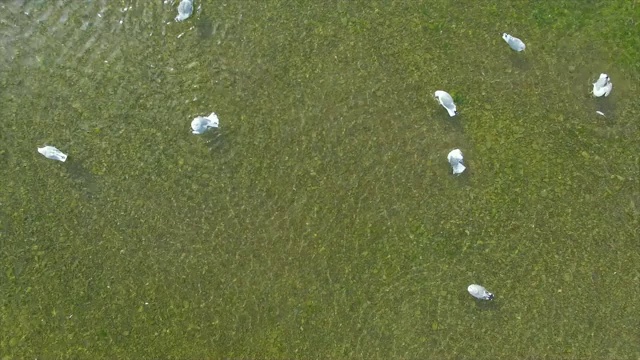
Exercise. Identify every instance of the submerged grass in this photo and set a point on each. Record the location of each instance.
(321, 220)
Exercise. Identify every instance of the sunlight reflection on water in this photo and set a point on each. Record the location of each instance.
(83, 33)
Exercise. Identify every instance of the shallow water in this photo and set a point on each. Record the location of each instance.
(321, 220)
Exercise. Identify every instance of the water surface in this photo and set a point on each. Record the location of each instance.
(321, 219)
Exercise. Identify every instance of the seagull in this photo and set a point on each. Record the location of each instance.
(185, 8)
(602, 86)
(201, 124)
(479, 292)
(446, 101)
(52, 153)
(514, 43)
(455, 159)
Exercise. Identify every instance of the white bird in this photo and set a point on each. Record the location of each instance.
(455, 159)
(185, 9)
(479, 292)
(602, 86)
(52, 153)
(201, 124)
(514, 43)
(446, 101)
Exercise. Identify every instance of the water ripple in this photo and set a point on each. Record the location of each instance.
(71, 32)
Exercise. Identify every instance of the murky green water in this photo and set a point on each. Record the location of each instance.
(321, 220)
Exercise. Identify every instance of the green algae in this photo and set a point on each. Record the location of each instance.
(321, 220)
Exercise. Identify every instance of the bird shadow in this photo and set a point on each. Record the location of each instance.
(607, 106)
(487, 305)
(217, 140)
(83, 178)
(456, 122)
(205, 28)
(453, 122)
(520, 62)
(463, 179)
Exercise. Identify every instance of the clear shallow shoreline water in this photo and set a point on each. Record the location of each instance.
(321, 220)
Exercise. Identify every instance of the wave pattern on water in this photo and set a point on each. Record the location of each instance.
(81, 33)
